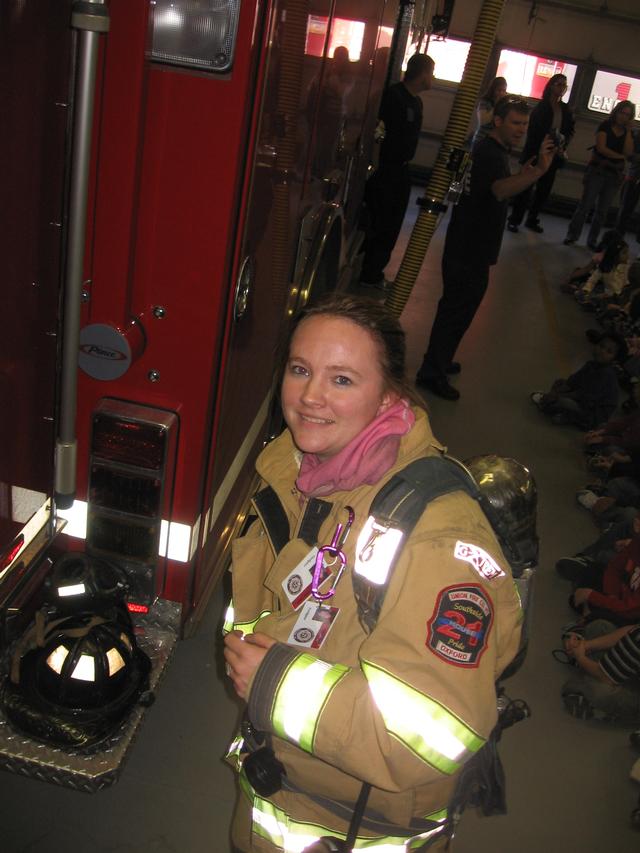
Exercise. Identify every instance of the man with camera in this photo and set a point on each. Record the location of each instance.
(474, 237)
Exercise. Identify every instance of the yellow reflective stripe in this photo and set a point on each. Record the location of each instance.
(228, 618)
(438, 816)
(425, 726)
(234, 752)
(230, 624)
(292, 836)
(301, 696)
(248, 627)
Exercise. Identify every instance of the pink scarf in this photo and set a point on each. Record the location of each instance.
(364, 460)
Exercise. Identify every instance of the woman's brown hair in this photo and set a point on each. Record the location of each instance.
(374, 318)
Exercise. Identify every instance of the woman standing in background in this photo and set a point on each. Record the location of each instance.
(614, 143)
(551, 116)
(484, 110)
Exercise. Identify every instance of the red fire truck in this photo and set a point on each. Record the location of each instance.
(179, 178)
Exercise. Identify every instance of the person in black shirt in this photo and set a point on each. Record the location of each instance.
(474, 237)
(387, 191)
(614, 143)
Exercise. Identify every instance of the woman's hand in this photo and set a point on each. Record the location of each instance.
(244, 654)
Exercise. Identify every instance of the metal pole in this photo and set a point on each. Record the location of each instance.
(90, 18)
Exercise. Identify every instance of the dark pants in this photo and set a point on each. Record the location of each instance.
(603, 549)
(386, 198)
(464, 283)
(534, 197)
(629, 196)
(600, 186)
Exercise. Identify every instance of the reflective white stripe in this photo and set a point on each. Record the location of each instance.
(402, 711)
(177, 541)
(375, 551)
(293, 836)
(31, 529)
(300, 691)
(280, 834)
(73, 589)
(291, 842)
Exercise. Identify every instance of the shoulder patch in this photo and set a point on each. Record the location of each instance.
(483, 563)
(458, 630)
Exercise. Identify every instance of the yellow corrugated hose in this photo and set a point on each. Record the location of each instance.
(291, 58)
(454, 137)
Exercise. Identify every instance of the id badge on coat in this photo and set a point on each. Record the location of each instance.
(297, 584)
(312, 625)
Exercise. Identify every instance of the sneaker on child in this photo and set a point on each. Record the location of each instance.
(573, 568)
(587, 498)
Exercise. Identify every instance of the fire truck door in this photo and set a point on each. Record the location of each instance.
(267, 247)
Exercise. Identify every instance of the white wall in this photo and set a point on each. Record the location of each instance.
(576, 31)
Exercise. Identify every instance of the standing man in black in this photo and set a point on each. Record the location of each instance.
(388, 189)
(474, 237)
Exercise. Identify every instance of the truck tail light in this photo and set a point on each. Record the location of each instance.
(131, 473)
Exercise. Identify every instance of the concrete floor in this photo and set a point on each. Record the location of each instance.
(568, 781)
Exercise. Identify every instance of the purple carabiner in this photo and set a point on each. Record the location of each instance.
(320, 571)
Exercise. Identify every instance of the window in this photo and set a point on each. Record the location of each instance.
(611, 87)
(195, 33)
(449, 55)
(344, 33)
(527, 75)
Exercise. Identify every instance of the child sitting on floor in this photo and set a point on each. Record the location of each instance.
(579, 275)
(609, 278)
(618, 434)
(616, 594)
(608, 679)
(589, 396)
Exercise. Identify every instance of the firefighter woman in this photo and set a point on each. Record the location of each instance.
(353, 705)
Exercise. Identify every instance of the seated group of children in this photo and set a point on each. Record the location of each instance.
(610, 286)
(604, 641)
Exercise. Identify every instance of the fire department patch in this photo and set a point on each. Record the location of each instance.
(482, 562)
(459, 629)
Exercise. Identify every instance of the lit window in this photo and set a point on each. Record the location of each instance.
(195, 33)
(527, 75)
(385, 36)
(449, 55)
(344, 33)
(609, 88)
